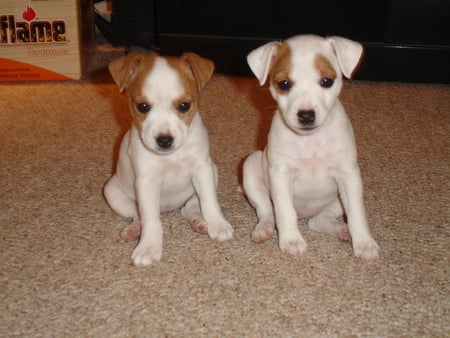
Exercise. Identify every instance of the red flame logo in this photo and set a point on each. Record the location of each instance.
(29, 13)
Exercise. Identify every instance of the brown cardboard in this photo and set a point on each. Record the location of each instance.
(44, 40)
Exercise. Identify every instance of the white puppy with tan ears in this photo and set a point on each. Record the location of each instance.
(309, 167)
(164, 160)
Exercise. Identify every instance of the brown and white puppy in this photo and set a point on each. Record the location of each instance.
(309, 167)
(164, 160)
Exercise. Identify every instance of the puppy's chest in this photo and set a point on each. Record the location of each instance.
(312, 177)
(177, 169)
(313, 166)
(317, 154)
(177, 173)
(173, 175)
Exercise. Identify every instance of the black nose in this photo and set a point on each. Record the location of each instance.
(306, 117)
(164, 141)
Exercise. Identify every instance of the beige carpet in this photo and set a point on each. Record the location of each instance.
(64, 272)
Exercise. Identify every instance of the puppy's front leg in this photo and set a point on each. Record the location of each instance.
(205, 182)
(149, 248)
(351, 192)
(289, 238)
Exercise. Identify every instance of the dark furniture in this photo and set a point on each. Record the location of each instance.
(405, 40)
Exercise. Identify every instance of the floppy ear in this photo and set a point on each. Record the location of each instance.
(123, 69)
(201, 68)
(348, 53)
(260, 60)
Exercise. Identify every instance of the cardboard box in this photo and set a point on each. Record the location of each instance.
(44, 39)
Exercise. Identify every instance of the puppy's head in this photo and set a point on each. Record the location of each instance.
(305, 74)
(163, 95)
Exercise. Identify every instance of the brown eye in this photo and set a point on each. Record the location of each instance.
(183, 107)
(284, 85)
(326, 82)
(143, 107)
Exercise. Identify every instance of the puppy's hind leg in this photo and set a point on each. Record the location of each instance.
(118, 199)
(327, 222)
(259, 197)
(192, 212)
(125, 206)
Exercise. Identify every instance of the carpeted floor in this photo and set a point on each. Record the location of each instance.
(64, 272)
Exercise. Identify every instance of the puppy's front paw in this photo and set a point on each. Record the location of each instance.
(145, 254)
(220, 231)
(366, 249)
(293, 247)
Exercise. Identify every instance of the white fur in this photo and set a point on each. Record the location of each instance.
(308, 172)
(161, 87)
(150, 180)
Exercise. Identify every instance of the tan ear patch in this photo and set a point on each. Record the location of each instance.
(123, 69)
(201, 68)
(127, 68)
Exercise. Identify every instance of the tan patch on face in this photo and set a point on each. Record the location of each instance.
(324, 67)
(188, 82)
(134, 89)
(281, 67)
(189, 85)
(137, 116)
